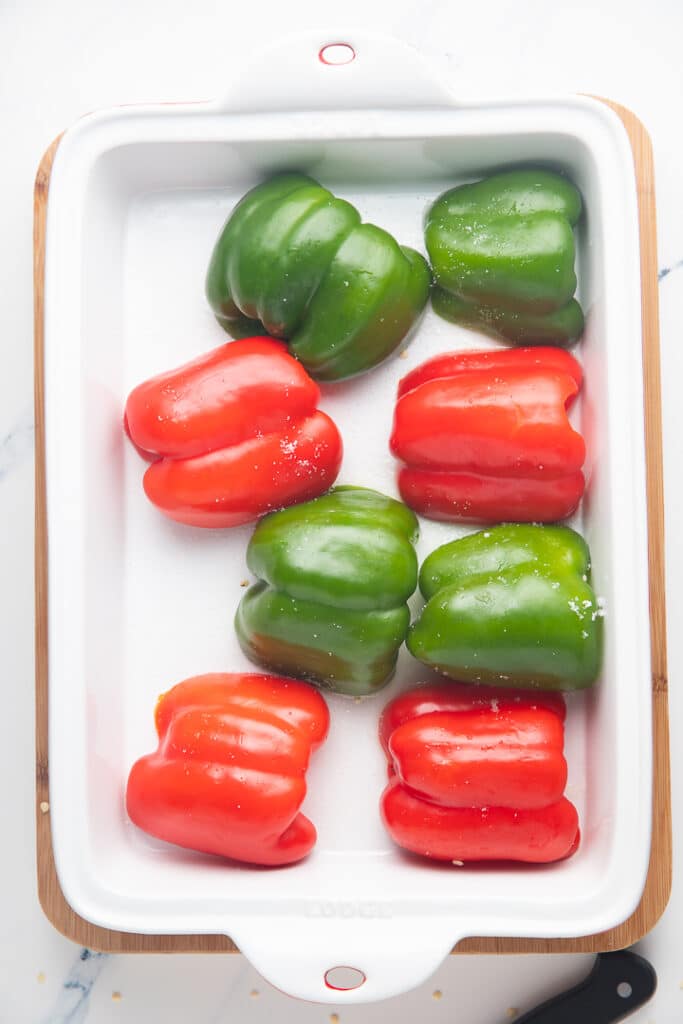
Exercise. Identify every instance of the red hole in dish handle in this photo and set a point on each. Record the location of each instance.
(344, 979)
(337, 53)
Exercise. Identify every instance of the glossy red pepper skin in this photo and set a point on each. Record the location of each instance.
(486, 437)
(233, 435)
(449, 697)
(228, 777)
(471, 834)
(477, 775)
(483, 758)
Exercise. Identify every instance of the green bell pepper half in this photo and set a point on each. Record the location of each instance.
(334, 578)
(294, 261)
(502, 255)
(513, 606)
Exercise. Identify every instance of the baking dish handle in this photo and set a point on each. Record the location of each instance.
(321, 70)
(345, 955)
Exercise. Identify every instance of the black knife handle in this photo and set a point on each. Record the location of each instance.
(618, 984)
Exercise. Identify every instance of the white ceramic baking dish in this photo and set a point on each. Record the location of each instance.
(137, 603)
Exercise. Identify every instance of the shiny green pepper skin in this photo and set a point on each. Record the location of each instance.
(513, 606)
(334, 578)
(295, 261)
(502, 254)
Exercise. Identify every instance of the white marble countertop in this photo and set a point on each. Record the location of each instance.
(62, 59)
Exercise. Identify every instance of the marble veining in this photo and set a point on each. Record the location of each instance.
(71, 1006)
(665, 271)
(17, 444)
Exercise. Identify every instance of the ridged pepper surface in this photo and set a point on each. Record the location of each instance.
(296, 261)
(334, 578)
(476, 777)
(512, 605)
(486, 436)
(229, 774)
(502, 254)
(232, 435)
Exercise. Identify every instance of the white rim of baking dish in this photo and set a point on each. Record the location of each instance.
(384, 92)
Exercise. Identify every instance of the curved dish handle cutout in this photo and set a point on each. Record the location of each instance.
(326, 71)
(336, 959)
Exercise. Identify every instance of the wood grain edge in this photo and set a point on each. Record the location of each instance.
(658, 884)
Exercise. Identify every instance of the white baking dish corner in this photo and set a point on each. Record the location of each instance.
(137, 196)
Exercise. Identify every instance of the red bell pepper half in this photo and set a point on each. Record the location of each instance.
(477, 776)
(486, 437)
(233, 435)
(228, 777)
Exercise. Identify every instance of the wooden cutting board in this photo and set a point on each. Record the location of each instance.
(658, 885)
